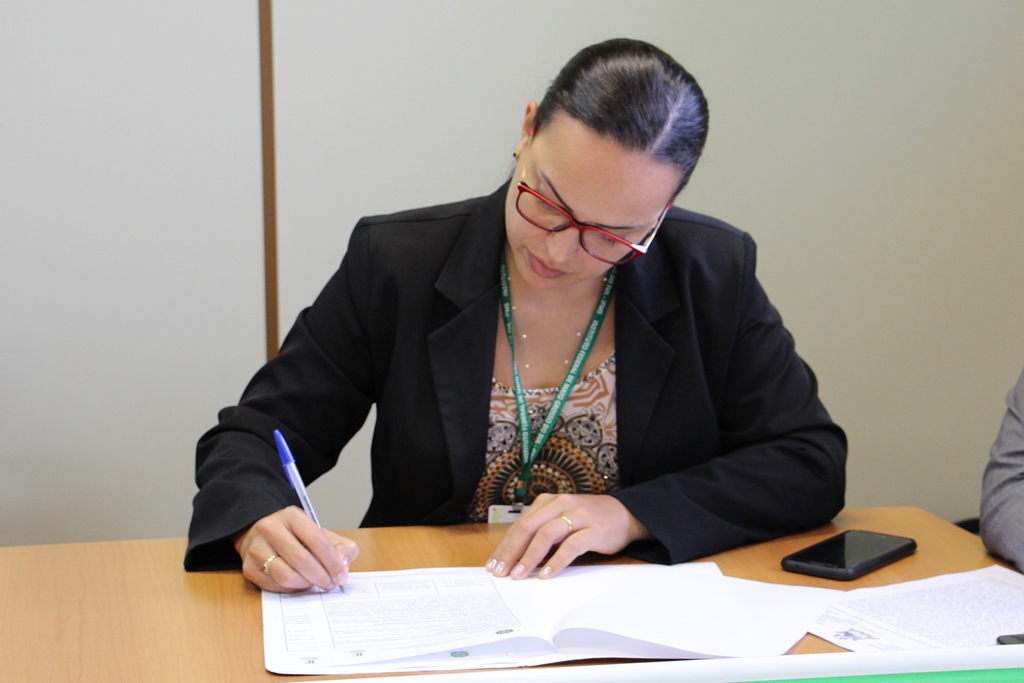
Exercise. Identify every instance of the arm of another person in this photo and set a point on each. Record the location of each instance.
(1002, 496)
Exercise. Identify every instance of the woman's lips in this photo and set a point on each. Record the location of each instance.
(541, 269)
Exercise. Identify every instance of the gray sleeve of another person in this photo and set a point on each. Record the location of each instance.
(1002, 495)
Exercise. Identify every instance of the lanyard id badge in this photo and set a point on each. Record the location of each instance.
(528, 447)
(502, 514)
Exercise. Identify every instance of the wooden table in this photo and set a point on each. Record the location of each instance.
(127, 611)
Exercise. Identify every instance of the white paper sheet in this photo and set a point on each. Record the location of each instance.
(969, 609)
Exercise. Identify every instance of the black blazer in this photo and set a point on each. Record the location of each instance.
(722, 439)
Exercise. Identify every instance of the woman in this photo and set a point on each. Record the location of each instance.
(682, 422)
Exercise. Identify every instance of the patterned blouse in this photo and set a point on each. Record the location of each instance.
(580, 455)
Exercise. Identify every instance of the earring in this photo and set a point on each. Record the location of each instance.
(515, 155)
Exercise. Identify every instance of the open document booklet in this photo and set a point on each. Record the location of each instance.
(463, 618)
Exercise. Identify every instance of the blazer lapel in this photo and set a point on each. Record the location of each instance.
(642, 356)
(462, 350)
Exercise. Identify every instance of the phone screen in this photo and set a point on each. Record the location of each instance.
(849, 555)
(852, 548)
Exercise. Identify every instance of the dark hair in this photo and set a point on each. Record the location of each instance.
(636, 94)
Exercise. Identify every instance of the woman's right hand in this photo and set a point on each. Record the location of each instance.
(304, 555)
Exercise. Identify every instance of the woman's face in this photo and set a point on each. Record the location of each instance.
(596, 181)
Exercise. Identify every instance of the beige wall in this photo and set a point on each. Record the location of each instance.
(873, 149)
(130, 256)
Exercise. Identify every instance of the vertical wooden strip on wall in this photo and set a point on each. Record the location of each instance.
(269, 178)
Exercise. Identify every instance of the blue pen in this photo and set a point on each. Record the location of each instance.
(295, 479)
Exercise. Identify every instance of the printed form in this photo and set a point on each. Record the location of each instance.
(968, 609)
(459, 618)
(385, 615)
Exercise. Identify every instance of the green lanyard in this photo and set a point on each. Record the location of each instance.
(528, 451)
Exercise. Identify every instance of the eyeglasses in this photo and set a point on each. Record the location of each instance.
(603, 245)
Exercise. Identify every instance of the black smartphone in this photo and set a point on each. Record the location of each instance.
(849, 555)
(1015, 639)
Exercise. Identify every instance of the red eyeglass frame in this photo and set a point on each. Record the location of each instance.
(636, 249)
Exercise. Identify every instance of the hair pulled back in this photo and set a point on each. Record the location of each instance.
(636, 94)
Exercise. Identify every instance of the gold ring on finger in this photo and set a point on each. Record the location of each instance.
(567, 521)
(266, 565)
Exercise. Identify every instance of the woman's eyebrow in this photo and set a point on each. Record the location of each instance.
(547, 181)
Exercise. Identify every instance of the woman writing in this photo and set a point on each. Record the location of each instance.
(572, 343)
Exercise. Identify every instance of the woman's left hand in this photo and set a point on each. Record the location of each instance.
(574, 523)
